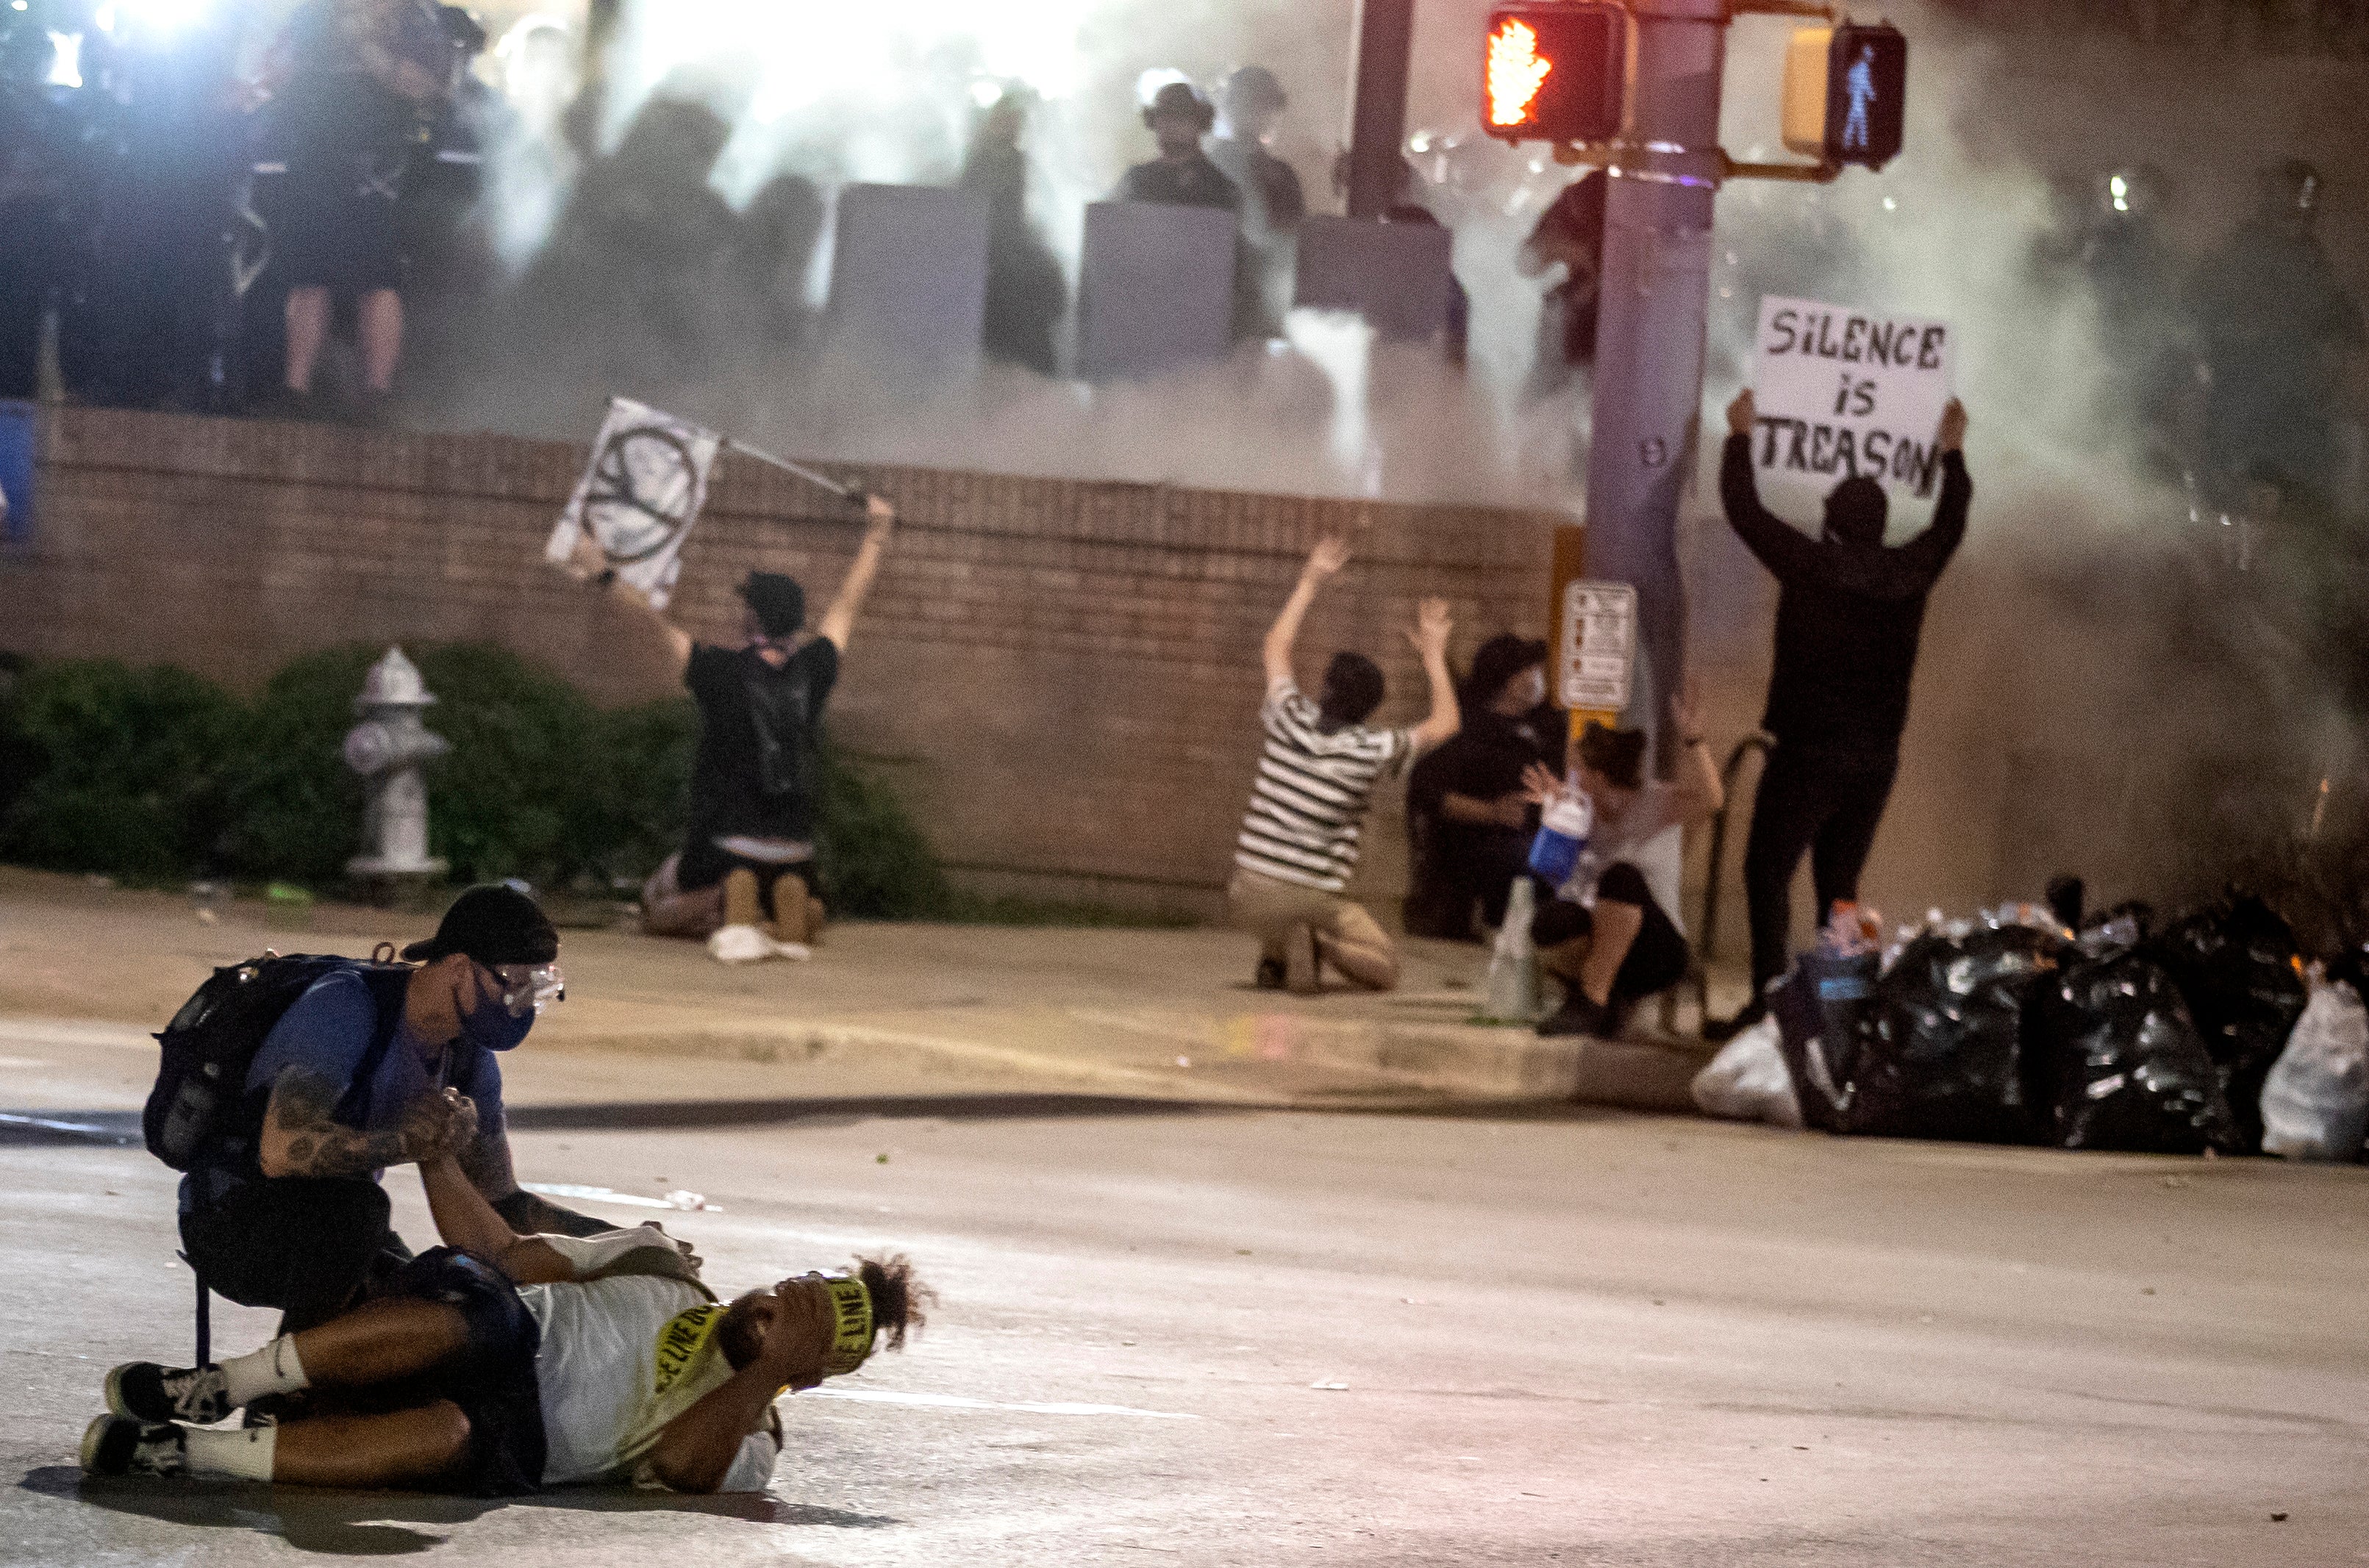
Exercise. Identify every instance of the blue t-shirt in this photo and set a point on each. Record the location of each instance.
(330, 1030)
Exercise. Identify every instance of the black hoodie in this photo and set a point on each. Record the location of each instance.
(1849, 611)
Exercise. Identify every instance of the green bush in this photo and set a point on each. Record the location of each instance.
(122, 771)
(156, 775)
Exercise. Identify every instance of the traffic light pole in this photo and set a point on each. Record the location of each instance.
(1650, 331)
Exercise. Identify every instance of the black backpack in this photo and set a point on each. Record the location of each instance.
(211, 1041)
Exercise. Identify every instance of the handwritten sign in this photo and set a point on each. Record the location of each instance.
(1842, 392)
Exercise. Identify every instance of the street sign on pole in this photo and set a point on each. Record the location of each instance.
(1596, 648)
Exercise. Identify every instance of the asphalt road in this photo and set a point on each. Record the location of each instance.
(1232, 1337)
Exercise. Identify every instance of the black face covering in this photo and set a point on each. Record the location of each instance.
(1857, 511)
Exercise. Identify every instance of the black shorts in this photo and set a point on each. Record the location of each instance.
(1656, 960)
(330, 231)
(492, 1379)
(311, 1248)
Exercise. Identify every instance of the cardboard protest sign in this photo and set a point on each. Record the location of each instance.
(639, 495)
(1842, 392)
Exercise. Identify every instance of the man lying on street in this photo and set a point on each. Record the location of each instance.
(1605, 935)
(499, 1364)
(283, 1208)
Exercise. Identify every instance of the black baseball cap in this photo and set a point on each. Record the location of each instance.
(494, 924)
(779, 602)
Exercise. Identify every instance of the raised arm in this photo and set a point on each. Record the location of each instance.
(696, 1450)
(1329, 556)
(1783, 549)
(1700, 793)
(465, 1220)
(1923, 559)
(838, 621)
(1430, 636)
(589, 564)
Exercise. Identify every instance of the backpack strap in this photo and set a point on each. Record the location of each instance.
(388, 985)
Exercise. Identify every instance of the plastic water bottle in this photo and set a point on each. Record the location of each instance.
(1513, 995)
(1562, 834)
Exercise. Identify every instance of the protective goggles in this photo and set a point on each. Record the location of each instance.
(527, 988)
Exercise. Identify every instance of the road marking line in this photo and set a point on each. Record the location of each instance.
(957, 1402)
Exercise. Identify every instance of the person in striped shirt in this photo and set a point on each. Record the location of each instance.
(1300, 839)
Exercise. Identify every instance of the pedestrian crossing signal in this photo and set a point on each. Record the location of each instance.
(1555, 71)
(1845, 92)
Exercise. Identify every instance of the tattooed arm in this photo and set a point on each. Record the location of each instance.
(485, 1161)
(300, 1140)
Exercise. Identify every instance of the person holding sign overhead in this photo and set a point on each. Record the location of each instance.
(1851, 611)
(749, 852)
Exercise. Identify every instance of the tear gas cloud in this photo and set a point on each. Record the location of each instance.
(2050, 643)
(831, 96)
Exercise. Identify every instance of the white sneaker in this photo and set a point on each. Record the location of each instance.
(751, 944)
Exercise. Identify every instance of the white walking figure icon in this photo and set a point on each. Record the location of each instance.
(1860, 83)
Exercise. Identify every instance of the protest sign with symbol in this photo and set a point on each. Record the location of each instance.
(639, 495)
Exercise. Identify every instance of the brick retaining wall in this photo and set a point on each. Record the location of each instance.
(1060, 676)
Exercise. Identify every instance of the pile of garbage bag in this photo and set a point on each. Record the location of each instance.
(2209, 1034)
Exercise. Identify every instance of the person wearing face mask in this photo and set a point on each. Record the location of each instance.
(1468, 821)
(282, 1208)
(1606, 933)
(499, 1365)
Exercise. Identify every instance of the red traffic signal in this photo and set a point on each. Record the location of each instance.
(1867, 82)
(1554, 70)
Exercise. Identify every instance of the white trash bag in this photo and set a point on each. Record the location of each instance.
(2316, 1101)
(1747, 1080)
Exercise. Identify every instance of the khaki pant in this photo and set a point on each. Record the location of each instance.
(1346, 936)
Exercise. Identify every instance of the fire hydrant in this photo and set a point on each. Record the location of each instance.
(388, 749)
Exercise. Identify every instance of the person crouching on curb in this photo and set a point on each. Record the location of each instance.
(1604, 935)
(503, 1364)
(1300, 839)
(749, 856)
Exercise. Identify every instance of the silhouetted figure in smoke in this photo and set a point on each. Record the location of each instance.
(140, 326)
(1181, 176)
(772, 251)
(451, 268)
(2134, 274)
(638, 270)
(1407, 208)
(1025, 294)
(1252, 103)
(355, 83)
(39, 174)
(2276, 328)
(1850, 613)
(1568, 234)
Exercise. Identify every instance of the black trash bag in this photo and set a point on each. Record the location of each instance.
(1942, 1049)
(1821, 1010)
(2236, 964)
(2127, 1068)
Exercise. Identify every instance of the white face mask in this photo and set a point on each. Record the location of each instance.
(1530, 689)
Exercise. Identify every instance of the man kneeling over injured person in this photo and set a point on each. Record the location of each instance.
(506, 1363)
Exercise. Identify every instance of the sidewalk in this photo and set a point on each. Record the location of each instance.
(1152, 1014)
